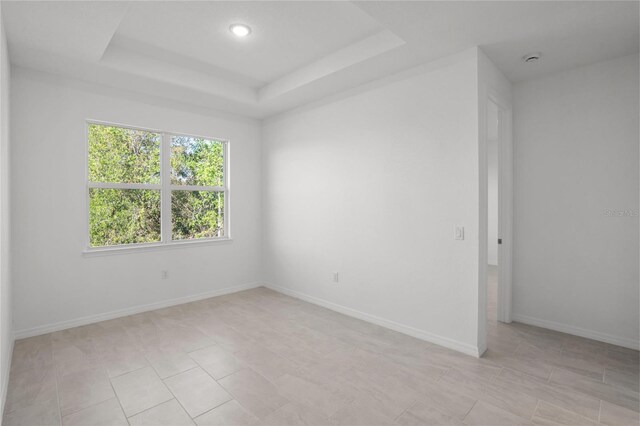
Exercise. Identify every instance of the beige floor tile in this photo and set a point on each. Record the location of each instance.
(561, 358)
(116, 364)
(614, 415)
(229, 413)
(526, 364)
(114, 339)
(42, 414)
(306, 392)
(391, 394)
(78, 365)
(168, 413)
(444, 359)
(253, 392)
(224, 335)
(517, 403)
(196, 391)
(265, 362)
(337, 363)
(581, 344)
(322, 363)
(502, 345)
(32, 345)
(421, 414)
(146, 336)
(363, 411)
(81, 332)
(331, 378)
(603, 353)
(296, 415)
(623, 358)
(140, 390)
(548, 414)
(82, 389)
(294, 351)
(622, 379)
(616, 357)
(216, 361)
(186, 339)
(107, 413)
(423, 363)
(31, 386)
(560, 396)
(447, 398)
(33, 352)
(356, 338)
(73, 350)
(485, 414)
(596, 389)
(320, 342)
(169, 362)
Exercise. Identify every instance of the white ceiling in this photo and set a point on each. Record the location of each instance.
(286, 35)
(300, 52)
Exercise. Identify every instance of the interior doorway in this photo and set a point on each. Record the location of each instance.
(499, 199)
(493, 133)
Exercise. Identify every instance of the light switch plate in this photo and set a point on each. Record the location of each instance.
(459, 234)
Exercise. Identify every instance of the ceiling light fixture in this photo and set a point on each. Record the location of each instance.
(531, 57)
(240, 30)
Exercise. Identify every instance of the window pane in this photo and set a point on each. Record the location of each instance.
(119, 155)
(123, 216)
(196, 161)
(197, 214)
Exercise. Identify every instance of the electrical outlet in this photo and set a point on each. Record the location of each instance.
(336, 277)
(164, 275)
(459, 233)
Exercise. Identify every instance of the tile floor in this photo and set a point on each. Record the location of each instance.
(262, 358)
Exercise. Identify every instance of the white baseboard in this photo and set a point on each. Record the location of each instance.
(577, 331)
(63, 325)
(392, 325)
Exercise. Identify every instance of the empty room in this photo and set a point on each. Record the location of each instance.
(319, 213)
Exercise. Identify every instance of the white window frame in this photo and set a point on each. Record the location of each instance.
(165, 187)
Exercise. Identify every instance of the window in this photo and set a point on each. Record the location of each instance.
(154, 188)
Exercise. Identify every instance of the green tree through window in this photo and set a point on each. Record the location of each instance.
(127, 183)
(197, 162)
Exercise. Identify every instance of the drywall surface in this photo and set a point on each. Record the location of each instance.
(372, 186)
(576, 201)
(6, 308)
(54, 282)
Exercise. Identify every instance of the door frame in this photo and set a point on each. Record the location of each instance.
(505, 205)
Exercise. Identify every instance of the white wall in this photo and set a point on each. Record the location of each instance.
(576, 155)
(6, 315)
(372, 185)
(54, 283)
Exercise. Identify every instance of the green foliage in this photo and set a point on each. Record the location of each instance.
(127, 216)
(196, 161)
(197, 214)
(119, 155)
(123, 216)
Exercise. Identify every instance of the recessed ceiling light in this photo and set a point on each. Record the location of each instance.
(240, 30)
(531, 57)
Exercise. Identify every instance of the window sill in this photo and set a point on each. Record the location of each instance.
(141, 248)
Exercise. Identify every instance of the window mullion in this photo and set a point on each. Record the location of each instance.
(165, 170)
